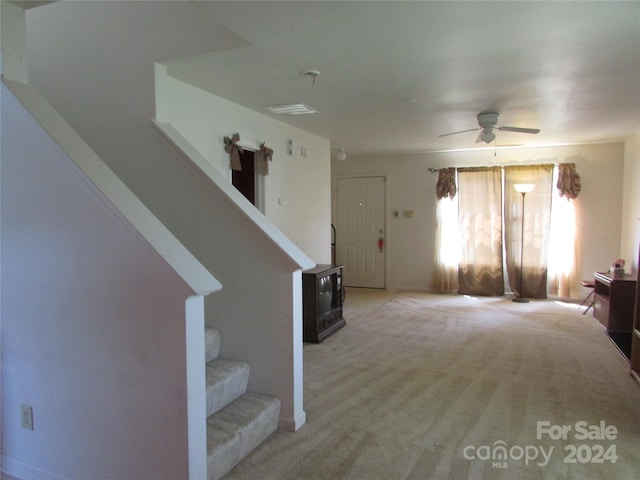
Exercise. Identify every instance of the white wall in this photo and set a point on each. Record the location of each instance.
(631, 203)
(297, 188)
(411, 242)
(93, 325)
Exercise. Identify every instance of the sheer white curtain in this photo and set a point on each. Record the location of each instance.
(447, 252)
(564, 244)
(480, 228)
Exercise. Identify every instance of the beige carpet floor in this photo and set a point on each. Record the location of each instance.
(424, 386)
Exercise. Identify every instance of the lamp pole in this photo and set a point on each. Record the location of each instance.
(523, 188)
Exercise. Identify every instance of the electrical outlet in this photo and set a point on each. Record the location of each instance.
(26, 415)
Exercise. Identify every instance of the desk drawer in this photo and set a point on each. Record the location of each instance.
(601, 310)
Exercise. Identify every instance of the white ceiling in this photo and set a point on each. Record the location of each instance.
(395, 75)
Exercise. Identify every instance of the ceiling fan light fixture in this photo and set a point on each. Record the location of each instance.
(487, 135)
(488, 122)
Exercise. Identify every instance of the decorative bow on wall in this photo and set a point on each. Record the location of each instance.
(264, 156)
(234, 150)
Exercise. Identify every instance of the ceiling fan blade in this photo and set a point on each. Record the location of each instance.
(461, 131)
(519, 129)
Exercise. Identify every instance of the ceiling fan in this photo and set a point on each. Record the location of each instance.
(488, 122)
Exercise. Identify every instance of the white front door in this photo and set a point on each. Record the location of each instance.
(360, 211)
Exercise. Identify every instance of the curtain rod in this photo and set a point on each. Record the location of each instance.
(436, 170)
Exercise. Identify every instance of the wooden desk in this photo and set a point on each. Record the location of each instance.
(635, 346)
(614, 301)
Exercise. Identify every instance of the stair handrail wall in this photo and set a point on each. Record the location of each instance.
(274, 313)
(123, 208)
(262, 223)
(259, 314)
(163, 241)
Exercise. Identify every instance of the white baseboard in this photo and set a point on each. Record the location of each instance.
(289, 424)
(15, 470)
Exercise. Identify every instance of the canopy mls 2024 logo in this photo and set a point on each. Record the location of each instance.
(581, 448)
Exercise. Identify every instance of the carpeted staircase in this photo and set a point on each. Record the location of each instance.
(237, 421)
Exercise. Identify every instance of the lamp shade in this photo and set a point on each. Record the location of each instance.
(523, 187)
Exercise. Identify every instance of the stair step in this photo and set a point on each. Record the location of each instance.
(226, 381)
(236, 430)
(212, 344)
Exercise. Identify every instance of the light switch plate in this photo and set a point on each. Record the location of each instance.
(26, 416)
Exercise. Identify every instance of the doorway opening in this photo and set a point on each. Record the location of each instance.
(248, 181)
(245, 180)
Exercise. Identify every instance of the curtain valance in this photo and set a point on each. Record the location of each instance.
(446, 186)
(568, 181)
(263, 157)
(568, 184)
(234, 150)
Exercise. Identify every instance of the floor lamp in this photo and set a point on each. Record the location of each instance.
(522, 188)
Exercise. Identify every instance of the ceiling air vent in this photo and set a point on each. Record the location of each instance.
(292, 109)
